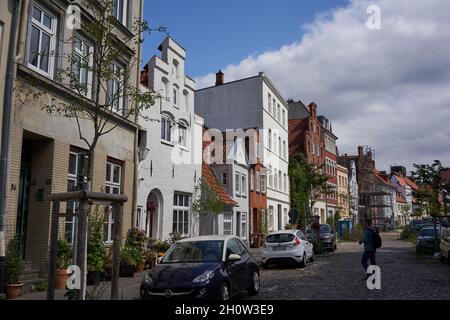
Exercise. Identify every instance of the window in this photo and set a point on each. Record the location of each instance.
(274, 106)
(120, 11)
(269, 99)
(243, 185)
(279, 146)
(285, 183)
(270, 177)
(166, 128)
(175, 96)
(138, 218)
(285, 215)
(279, 176)
(258, 181)
(284, 149)
(244, 225)
(278, 113)
(82, 67)
(181, 205)
(270, 139)
(275, 179)
(263, 184)
(227, 223)
(182, 135)
(75, 168)
(252, 182)
(113, 186)
(42, 41)
(270, 218)
(175, 69)
(186, 101)
(284, 118)
(116, 88)
(224, 178)
(237, 183)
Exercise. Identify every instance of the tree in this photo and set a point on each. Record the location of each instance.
(431, 187)
(308, 183)
(110, 97)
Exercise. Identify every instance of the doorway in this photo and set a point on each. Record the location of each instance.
(24, 195)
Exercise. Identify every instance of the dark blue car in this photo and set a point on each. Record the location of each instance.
(208, 267)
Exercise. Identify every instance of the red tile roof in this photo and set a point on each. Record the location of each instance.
(405, 181)
(211, 180)
(382, 177)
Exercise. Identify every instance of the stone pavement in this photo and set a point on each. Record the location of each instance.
(337, 276)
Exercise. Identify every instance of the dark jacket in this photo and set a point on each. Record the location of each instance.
(368, 239)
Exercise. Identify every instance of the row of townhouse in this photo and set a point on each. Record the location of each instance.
(45, 152)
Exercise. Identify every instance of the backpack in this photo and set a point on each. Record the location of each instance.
(376, 239)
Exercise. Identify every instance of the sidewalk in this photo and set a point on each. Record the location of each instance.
(128, 290)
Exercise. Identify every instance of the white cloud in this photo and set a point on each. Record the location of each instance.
(387, 88)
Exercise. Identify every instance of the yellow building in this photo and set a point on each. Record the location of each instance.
(343, 191)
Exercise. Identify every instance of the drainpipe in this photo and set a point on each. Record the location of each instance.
(6, 126)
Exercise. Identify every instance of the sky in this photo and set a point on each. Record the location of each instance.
(388, 88)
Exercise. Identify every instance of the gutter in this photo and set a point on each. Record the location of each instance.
(6, 132)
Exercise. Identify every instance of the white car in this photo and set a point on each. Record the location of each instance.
(289, 245)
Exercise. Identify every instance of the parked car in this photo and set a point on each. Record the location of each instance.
(426, 239)
(327, 237)
(287, 246)
(207, 267)
(445, 245)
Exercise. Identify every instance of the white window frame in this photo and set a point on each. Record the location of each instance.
(280, 183)
(118, 101)
(269, 97)
(284, 150)
(263, 184)
(284, 117)
(243, 185)
(284, 182)
(228, 221)
(167, 137)
(278, 113)
(113, 186)
(237, 183)
(49, 32)
(79, 53)
(279, 146)
(122, 18)
(252, 178)
(181, 211)
(258, 181)
(183, 135)
(244, 225)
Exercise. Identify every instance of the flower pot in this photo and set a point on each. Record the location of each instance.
(13, 290)
(140, 267)
(93, 278)
(61, 278)
(126, 271)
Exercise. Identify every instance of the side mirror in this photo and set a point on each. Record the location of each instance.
(159, 260)
(233, 257)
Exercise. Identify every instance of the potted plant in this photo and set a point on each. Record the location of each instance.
(129, 259)
(96, 250)
(14, 266)
(63, 260)
(136, 239)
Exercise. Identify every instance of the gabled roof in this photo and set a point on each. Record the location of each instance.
(405, 181)
(384, 178)
(211, 180)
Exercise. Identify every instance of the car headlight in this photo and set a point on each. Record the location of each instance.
(204, 277)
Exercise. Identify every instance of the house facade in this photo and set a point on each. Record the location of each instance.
(254, 103)
(332, 201)
(171, 166)
(386, 213)
(305, 137)
(46, 151)
(404, 186)
(343, 192)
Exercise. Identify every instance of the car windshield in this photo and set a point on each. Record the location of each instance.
(195, 251)
(428, 232)
(324, 228)
(280, 237)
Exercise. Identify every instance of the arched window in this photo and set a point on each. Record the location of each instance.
(175, 69)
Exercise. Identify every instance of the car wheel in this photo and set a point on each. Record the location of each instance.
(225, 292)
(255, 284)
(302, 263)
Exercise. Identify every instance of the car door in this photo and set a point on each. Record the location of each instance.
(246, 274)
(235, 269)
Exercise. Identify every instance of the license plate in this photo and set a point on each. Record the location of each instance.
(279, 248)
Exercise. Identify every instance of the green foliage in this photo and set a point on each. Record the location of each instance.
(206, 200)
(408, 234)
(96, 249)
(162, 246)
(307, 184)
(130, 256)
(174, 238)
(40, 286)
(70, 294)
(14, 264)
(63, 254)
(355, 235)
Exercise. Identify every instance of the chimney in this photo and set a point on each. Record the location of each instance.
(220, 79)
(360, 151)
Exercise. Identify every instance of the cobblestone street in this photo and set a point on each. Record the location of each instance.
(340, 276)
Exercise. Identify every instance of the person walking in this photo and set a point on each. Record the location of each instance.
(370, 247)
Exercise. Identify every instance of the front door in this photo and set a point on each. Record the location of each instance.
(24, 194)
